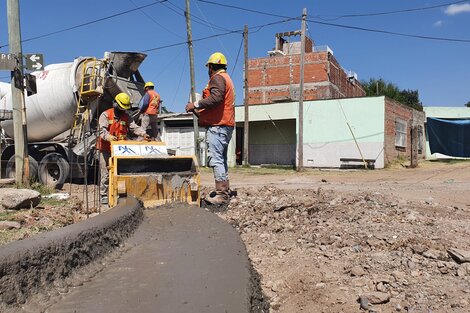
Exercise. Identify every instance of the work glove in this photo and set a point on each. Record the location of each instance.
(110, 137)
(190, 107)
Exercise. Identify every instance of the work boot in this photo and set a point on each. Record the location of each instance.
(231, 193)
(220, 195)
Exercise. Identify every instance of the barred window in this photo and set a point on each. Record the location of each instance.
(400, 133)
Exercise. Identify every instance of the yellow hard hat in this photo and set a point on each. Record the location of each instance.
(217, 58)
(149, 84)
(123, 100)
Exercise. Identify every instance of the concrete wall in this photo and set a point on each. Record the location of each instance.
(272, 142)
(329, 130)
(272, 132)
(328, 138)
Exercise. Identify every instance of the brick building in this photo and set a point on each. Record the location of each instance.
(276, 78)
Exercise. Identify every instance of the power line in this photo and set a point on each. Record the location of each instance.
(194, 18)
(155, 21)
(243, 9)
(390, 12)
(259, 27)
(238, 54)
(220, 42)
(392, 33)
(89, 23)
(179, 83)
(362, 28)
(194, 40)
(220, 34)
(341, 16)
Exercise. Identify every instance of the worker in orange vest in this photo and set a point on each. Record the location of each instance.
(148, 106)
(114, 125)
(216, 112)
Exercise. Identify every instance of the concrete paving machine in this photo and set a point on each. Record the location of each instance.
(147, 172)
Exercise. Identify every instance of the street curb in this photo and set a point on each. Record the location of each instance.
(30, 265)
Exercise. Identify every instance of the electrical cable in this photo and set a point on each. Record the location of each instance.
(243, 9)
(194, 18)
(197, 18)
(89, 23)
(238, 54)
(341, 16)
(179, 83)
(220, 34)
(392, 33)
(153, 20)
(391, 12)
(226, 51)
(167, 66)
(362, 28)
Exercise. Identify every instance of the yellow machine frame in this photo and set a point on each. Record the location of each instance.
(145, 170)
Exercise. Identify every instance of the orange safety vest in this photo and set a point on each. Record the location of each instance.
(224, 113)
(154, 103)
(116, 128)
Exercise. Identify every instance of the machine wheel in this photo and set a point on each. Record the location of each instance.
(53, 170)
(10, 170)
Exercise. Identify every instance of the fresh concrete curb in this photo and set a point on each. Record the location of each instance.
(30, 265)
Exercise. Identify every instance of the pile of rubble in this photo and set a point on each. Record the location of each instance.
(319, 251)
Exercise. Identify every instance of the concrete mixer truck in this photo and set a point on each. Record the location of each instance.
(62, 115)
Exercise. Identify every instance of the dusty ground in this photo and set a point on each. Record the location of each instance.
(336, 241)
(333, 241)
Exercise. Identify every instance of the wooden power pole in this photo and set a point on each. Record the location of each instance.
(300, 141)
(191, 73)
(19, 111)
(246, 125)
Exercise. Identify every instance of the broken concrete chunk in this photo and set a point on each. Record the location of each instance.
(15, 199)
(434, 254)
(357, 271)
(460, 256)
(463, 270)
(6, 225)
(376, 297)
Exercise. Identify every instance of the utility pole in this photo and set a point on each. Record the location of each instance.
(191, 73)
(19, 111)
(246, 126)
(301, 94)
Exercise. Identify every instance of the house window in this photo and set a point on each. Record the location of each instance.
(400, 133)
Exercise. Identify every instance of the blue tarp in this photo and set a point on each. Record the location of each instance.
(449, 137)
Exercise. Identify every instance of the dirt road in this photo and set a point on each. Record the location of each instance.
(346, 241)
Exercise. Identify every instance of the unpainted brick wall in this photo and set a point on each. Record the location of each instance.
(281, 72)
(394, 110)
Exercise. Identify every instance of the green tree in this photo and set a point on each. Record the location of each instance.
(379, 87)
(467, 104)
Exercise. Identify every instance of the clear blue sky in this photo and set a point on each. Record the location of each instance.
(439, 70)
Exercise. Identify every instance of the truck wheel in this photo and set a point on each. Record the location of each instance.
(53, 170)
(10, 171)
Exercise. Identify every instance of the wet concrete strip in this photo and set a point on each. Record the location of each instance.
(32, 265)
(181, 259)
